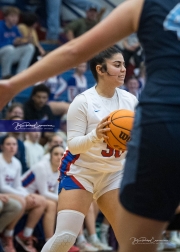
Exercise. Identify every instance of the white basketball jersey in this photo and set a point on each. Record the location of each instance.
(101, 157)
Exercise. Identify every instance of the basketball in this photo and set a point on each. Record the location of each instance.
(120, 129)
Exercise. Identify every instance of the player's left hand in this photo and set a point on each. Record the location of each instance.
(101, 128)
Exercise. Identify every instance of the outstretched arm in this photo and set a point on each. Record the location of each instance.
(119, 24)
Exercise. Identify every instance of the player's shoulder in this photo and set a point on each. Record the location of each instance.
(127, 97)
(83, 96)
(126, 94)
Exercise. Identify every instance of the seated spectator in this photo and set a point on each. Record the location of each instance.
(59, 133)
(82, 25)
(54, 9)
(36, 107)
(42, 179)
(10, 183)
(28, 31)
(78, 82)
(53, 140)
(132, 48)
(10, 209)
(57, 86)
(16, 109)
(13, 48)
(20, 154)
(34, 151)
(132, 86)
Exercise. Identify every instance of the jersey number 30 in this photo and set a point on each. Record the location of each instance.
(111, 152)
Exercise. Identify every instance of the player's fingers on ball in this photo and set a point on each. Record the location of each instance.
(106, 129)
(107, 123)
(105, 119)
(105, 137)
(104, 124)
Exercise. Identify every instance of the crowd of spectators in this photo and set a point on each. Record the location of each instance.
(29, 160)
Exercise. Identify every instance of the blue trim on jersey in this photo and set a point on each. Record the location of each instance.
(28, 180)
(66, 161)
(69, 183)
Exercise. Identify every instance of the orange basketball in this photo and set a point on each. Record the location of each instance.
(121, 125)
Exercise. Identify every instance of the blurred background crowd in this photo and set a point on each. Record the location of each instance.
(29, 30)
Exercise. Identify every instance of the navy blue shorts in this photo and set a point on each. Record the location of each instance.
(151, 182)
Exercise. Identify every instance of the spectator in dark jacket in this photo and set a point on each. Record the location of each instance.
(36, 108)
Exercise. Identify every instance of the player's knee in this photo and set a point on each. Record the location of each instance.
(69, 223)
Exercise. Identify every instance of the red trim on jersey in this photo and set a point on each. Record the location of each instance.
(62, 159)
(77, 182)
(72, 162)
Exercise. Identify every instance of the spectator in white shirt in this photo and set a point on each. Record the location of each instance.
(42, 178)
(34, 151)
(10, 183)
(53, 140)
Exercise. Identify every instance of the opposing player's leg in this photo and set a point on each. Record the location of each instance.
(72, 208)
(130, 228)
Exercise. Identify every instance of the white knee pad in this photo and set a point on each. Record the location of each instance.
(68, 226)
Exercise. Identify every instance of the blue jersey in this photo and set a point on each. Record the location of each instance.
(159, 34)
(8, 35)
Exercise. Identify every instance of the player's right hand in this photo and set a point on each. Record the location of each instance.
(101, 128)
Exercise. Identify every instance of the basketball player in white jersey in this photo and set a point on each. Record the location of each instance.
(90, 169)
